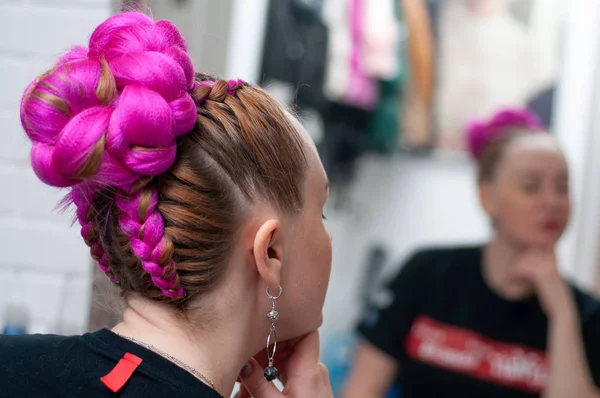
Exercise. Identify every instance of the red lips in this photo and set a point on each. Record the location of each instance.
(551, 226)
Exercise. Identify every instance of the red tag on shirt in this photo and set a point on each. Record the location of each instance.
(122, 372)
(467, 352)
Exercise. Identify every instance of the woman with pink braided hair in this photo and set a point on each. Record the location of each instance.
(493, 320)
(202, 200)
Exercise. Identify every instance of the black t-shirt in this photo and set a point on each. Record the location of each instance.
(58, 366)
(453, 337)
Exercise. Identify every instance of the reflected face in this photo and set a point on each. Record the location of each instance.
(529, 198)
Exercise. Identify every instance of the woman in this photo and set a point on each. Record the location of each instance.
(196, 196)
(492, 321)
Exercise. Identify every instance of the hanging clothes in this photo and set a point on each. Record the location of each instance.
(346, 79)
(542, 104)
(364, 80)
(345, 140)
(416, 111)
(346, 119)
(487, 59)
(381, 38)
(337, 68)
(295, 50)
(385, 120)
(362, 90)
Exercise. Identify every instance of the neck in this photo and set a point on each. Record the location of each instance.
(499, 260)
(217, 350)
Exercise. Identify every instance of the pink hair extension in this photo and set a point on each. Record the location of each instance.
(232, 87)
(134, 129)
(481, 133)
(82, 201)
(148, 240)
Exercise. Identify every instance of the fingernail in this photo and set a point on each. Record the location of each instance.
(246, 370)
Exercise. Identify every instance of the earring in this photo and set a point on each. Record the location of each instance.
(272, 316)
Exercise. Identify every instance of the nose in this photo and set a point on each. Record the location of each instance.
(553, 198)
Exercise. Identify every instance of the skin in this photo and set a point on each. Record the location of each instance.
(529, 204)
(272, 250)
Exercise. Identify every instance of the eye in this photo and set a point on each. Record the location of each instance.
(531, 187)
(562, 188)
(323, 216)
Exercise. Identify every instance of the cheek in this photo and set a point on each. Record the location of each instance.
(509, 207)
(318, 258)
(326, 242)
(517, 211)
(321, 257)
(566, 210)
(313, 257)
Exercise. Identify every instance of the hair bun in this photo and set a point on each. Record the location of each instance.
(112, 112)
(481, 133)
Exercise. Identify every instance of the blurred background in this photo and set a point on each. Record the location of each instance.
(384, 87)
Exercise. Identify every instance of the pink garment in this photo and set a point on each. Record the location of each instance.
(362, 91)
(381, 39)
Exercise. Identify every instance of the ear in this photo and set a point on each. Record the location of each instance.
(487, 198)
(268, 253)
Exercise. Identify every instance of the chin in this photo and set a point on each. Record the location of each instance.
(301, 330)
(320, 322)
(546, 240)
(314, 325)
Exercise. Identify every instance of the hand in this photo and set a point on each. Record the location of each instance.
(300, 372)
(538, 266)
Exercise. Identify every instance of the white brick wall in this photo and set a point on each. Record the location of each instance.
(44, 264)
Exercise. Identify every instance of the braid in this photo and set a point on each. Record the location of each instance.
(107, 118)
(89, 119)
(141, 221)
(86, 215)
(215, 90)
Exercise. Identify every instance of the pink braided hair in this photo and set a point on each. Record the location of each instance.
(481, 133)
(109, 115)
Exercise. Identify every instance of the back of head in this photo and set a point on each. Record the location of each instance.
(487, 139)
(162, 164)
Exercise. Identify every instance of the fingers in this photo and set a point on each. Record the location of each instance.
(293, 359)
(254, 382)
(305, 355)
(540, 252)
(283, 348)
(537, 259)
(301, 372)
(243, 393)
(261, 357)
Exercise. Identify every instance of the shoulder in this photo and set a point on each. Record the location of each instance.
(41, 365)
(588, 306)
(36, 349)
(441, 261)
(28, 342)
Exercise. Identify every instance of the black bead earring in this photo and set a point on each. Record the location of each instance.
(272, 316)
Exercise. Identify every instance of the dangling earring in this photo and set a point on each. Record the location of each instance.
(272, 316)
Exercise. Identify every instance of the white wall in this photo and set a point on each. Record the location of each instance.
(576, 125)
(44, 263)
(205, 24)
(246, 37)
